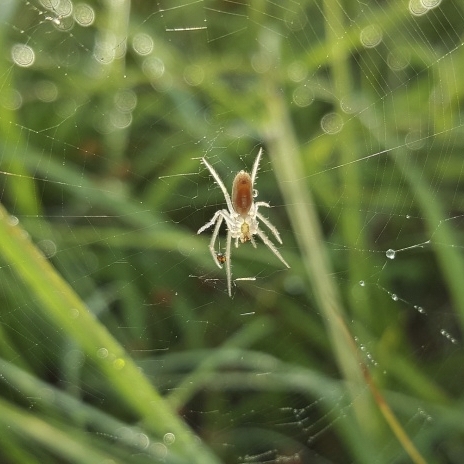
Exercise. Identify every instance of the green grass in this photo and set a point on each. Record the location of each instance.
(116, 331)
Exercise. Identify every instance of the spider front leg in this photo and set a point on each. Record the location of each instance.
(209, 223)
(219, 182)
(217, 218)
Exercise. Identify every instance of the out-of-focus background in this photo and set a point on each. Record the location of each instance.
(118, 340)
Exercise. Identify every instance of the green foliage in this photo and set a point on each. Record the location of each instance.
(118, 341)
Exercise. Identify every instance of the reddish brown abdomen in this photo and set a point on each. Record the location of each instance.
(242, 193)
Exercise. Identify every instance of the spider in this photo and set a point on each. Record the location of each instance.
(221, 257)
(241, 217)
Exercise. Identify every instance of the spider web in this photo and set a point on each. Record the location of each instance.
(107, 109)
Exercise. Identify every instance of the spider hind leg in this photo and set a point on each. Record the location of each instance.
(271, 246)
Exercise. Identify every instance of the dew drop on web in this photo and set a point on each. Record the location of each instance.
(390, 254)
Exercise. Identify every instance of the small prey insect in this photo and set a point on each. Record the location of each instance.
(241, 217)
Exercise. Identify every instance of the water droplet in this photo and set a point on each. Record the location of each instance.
(102, 353)
(105, 51)
(371, 36)
(391, 254)
(398, 60)
(332, 123)
(169, 438)
(303, 95)
(142, 44)
(120, 120)
(84, 15)
(349, 104)
(119, 363)
(394, 297)
(297, 71)
(46, 91)
(194, 75)
(11, 99)
(362, 283)
(48, 248)
(261, 62)
(13, 221)
(153, 67)
(23, 55)
(159, 450)
(448, 336)
(429, 4)
(142, 441)
(125, 433)
(416, 8)
(125, 100)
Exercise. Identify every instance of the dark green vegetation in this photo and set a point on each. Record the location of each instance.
(118, 342)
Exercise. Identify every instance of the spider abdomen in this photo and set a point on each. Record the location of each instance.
(242, 193)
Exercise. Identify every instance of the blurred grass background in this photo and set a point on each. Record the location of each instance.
(118, 340)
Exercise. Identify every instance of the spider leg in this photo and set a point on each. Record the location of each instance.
(262, 203)
(254, 171)
(269, 226)
(219, 183)
(271, 246)
(228, 270)
(210, 223)
(253, 241)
